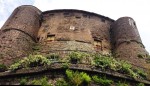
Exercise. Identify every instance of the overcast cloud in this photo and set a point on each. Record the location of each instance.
(139, 10)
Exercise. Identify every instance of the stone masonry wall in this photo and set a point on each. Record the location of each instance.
(79, 26)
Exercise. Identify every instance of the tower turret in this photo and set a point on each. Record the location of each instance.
(19, 33)
(126, 41)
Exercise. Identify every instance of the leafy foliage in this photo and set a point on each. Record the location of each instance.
(2, 68)
(77, 78)
(43, 82)
(65, 65)
(23, 81)
(121, 84)
(78, 56)
(53, 57)
(103, 81)
(61, 82)
(31, 61)
(140, 84)
(106, 62)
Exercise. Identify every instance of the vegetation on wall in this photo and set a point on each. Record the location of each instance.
(108, 62)
(30, 61)
(74, 78)
(102, 80)
(2, 68)
(77, 78)
(78, 57)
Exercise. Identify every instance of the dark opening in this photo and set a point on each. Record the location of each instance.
(38, 38)
(78, 17)
(50, 35)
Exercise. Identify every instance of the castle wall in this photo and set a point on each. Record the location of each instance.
(82, 28)
(127, 42)
(19, 34)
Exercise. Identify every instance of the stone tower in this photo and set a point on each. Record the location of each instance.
(19, 33)
(126, 41)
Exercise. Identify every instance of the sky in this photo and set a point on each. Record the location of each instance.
(139, 10)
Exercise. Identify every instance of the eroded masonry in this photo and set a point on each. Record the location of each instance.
(62, 31)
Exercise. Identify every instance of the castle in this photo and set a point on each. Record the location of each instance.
(66, 30)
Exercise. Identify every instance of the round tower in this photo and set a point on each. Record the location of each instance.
(126, 41)
(19, 33)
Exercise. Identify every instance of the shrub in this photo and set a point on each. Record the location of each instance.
(86, 78)
(43, 82)
(23, 81)
(2, 68)
(103, 81)
(61, 82)
(121, 84)
(140, 72)
(77, 56)
(53, 57)
(127, 68)
(106, 62)
(65, 65)
(140, 84)
(77, 78)
(31, 61)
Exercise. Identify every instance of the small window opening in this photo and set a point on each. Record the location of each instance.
(50, 37)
